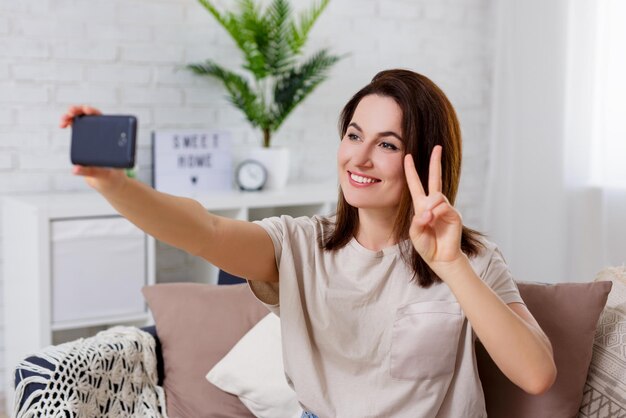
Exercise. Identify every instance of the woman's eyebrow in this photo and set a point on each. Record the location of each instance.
(357, 127)
(386, 133)
(390, 133)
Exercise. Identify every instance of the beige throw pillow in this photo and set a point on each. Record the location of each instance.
(568, 314)
(197, 325)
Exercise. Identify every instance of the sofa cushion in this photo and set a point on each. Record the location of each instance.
(605, 389)
(568, 313)
(197, 325)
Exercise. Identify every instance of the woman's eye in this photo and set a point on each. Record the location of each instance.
(389, 146)
(352, 137)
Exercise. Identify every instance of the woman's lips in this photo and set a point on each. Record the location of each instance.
(357, 180)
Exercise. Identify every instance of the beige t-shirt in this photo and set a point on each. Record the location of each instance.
(360, 340)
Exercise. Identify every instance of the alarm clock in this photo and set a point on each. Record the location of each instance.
(251, 175)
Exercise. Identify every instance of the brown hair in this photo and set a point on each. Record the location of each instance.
(428, 119)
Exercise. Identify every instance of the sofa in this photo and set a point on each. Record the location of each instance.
(218, 352)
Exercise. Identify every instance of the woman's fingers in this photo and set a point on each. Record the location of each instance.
(88, 171)
(418, 225)
(434, 200)
(427, 207)
(412, 178)
(434, 171)
(73, 111)
(433, 208)
(434, 174)
(68, 116)
(66, 119)
(422, 202)
(425, 218)
(82, 170)
(445, 212)
(88, 110)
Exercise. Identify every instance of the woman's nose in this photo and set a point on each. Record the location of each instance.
(362, 157)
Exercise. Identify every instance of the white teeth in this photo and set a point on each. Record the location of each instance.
(360, 179)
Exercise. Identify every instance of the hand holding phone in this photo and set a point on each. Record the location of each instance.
(104, 180)
(104, 140)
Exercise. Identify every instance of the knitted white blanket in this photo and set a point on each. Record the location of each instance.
(112, 374)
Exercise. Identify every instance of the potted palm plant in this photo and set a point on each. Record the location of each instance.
(276, 78)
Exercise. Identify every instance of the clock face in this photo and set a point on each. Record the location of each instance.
(251, 175)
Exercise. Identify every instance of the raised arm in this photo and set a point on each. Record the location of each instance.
(509, 333)
(238, 247)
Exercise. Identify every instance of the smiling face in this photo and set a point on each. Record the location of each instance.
(370, 156)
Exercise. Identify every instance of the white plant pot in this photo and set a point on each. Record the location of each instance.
(276, 161)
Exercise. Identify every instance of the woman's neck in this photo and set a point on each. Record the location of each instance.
(375, 230)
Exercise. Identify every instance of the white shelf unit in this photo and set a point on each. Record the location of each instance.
(37, 262)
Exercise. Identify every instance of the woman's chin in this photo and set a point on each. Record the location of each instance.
(354, 202)
(362, 204)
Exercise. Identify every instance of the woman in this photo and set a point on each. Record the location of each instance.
(381, 303)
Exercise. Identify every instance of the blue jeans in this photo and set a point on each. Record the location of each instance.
(306, 414)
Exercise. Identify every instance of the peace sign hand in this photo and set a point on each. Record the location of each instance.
(437, 226)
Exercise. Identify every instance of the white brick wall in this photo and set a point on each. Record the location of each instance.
(126, 56)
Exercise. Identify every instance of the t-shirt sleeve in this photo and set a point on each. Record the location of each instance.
(268, 293)
(499, 278)
(275, 228)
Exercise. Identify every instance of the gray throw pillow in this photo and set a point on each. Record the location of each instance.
(605, 389)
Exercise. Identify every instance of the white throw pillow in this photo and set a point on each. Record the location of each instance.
(253, 370)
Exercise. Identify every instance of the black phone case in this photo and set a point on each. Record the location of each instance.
(104, 140)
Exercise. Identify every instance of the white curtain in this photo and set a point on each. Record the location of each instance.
(556, 201)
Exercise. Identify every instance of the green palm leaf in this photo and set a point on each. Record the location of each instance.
(249, 32)
(299, 34)
(278, 54)
(271, 43)
(240, 93)
(255, 32)
(292, 88)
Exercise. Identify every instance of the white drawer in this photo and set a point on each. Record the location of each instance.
(98, 269)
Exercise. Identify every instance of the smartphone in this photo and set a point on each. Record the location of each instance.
(104, 140)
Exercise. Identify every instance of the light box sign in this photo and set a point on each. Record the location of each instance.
(191, 162)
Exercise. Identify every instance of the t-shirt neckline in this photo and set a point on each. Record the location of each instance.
(391, 250)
